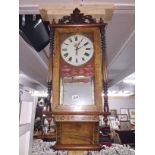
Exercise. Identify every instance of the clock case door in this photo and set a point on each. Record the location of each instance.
(63, 109)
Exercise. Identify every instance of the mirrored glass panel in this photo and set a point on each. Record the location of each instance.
(77, 90)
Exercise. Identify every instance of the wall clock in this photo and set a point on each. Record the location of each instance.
(77, 69)
(77, 81)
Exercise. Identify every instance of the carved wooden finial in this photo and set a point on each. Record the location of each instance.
(77, 18)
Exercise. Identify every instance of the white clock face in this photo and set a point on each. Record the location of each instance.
(77, 50)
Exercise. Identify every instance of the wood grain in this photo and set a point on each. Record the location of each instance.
(77, 136)
(77, 133)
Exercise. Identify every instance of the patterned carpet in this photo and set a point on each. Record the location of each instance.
(43, 148)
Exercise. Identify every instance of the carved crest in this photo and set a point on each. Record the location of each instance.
(77, 18)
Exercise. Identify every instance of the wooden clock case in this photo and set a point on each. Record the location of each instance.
(58, 108)
(77, 126)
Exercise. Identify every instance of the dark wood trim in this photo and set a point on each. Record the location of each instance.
(66, 113)
(76, 25)
(77, 147)
(77, 18)
(50, 67)
(78, 113)
(104, 69)
(104, 73)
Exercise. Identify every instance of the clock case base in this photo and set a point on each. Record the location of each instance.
(77, 136)
(77, 147)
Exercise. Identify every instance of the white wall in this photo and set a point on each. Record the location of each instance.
(24, 143)
(121, 102)
(26, 125)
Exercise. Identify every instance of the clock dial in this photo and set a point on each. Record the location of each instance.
(77, 50)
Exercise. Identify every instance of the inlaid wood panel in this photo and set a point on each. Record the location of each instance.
(76, 118)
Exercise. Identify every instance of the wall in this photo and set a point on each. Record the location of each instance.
(24, 143)
(28, 106)
(121, 102)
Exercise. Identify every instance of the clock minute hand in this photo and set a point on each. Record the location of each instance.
(83, 45)
(80, 47)
(79, 43)
(77, 46)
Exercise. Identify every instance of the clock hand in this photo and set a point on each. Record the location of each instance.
(77, 46)
(79, 43)
(85, 44)
(80, 47)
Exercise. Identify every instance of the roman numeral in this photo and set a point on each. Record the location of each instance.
(70, 39)
(76, 60)
(64, 49)
(87, 48)
(83, 58)
(76, 38)
(66, 54)
(86, 54)
(70, 59)
(86, 43)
